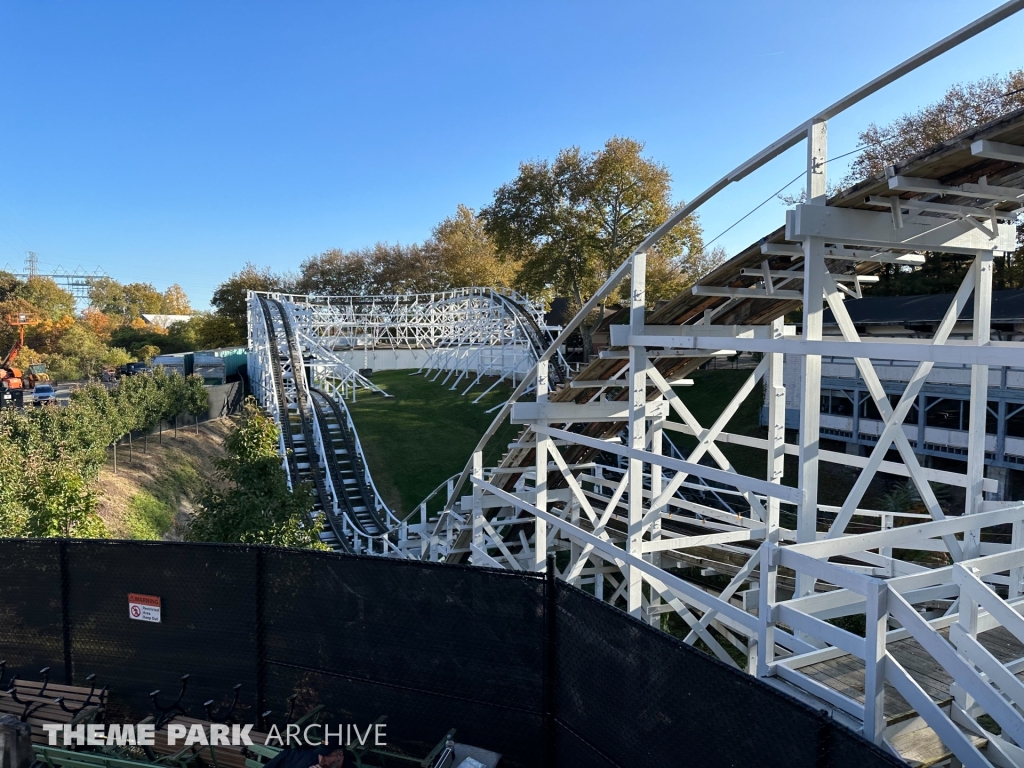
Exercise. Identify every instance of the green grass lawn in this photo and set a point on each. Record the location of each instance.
(423, 435)
(711, 392)
(707, 398)
(426, 432)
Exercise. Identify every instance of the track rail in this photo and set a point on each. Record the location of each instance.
(312, 472)
(345, 464)
(540, 340)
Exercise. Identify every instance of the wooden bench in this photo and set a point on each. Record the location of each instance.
(207, 756)
(38, 711)
(74, 696)
(57, 757)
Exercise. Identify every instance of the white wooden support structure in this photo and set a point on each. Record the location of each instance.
(642, 523)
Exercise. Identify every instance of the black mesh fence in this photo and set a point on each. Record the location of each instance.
(531, 668)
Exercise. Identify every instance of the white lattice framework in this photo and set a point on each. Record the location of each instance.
(592, 478)
(594, 488)
(466, 334)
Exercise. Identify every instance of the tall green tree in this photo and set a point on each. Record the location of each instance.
(253, 504)
(197, 398)
(569, 223)
(381, 269)
(50, 301)
(128, 301)
(229, 298)
(464, 254)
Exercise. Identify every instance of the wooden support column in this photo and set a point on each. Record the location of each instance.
(982, 328)
(877, 624)
(478, 513)
(776, 396)
(657, 448)
(810, 418)
(540, 547)
(637, 432)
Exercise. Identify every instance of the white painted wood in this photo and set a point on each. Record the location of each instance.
(982, 334)
(951, 736)
(562, 413)
(998, 151)
(1006, 353)
(749, 293)
(982, 190)
(875, 230)
(876, 622)
(810, 417)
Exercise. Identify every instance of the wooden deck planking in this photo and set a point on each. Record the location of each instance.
(845, 674)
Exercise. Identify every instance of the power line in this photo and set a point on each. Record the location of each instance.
(755, 208)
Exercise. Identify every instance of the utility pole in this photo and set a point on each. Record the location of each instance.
(32, 263)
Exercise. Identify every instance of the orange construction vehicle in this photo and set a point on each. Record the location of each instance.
(14, 381)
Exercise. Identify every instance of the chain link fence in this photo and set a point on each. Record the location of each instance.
(517, 662)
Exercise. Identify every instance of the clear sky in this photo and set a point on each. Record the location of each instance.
(174, 141)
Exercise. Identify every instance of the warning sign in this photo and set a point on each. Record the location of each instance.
(144, 607)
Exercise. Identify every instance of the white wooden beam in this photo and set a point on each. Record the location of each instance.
(873, 229)
(995, 150)
(747, 293)
(563, 413)
(982, 190)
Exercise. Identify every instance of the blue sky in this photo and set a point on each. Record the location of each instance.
(174, 141)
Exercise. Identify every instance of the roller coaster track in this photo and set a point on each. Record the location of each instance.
(296, 450)
(644, 524)
(345, 465)
(539, 339)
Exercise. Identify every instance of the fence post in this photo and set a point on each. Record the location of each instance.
(65, 607)
(261, 666)
(550, 663)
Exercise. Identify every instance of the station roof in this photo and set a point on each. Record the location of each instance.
(1007, 307)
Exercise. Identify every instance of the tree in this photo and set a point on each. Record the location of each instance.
(125, 301)
(175, 302)
(464, 254)
(337, 273)
(569, 223)
(9, 285)
(197, 398)
(80, 354)
(172, 391)
(145, 393)
(58, 501)
(205, 331)
(962, 107)
(253, 504)
(49, 300)
(100, 324)
(147, 352)
(382, 269)
(229, 298)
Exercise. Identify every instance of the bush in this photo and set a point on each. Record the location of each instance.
(148, 517)
(254, 505)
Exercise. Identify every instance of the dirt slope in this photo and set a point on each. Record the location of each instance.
(149, 496)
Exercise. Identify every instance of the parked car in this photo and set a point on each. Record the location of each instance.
(44, 394)
(131, 369)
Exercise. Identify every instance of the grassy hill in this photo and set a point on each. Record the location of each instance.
(149, 495)
(423, 435)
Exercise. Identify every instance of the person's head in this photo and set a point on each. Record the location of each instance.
(331, 752)
(333, 759)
